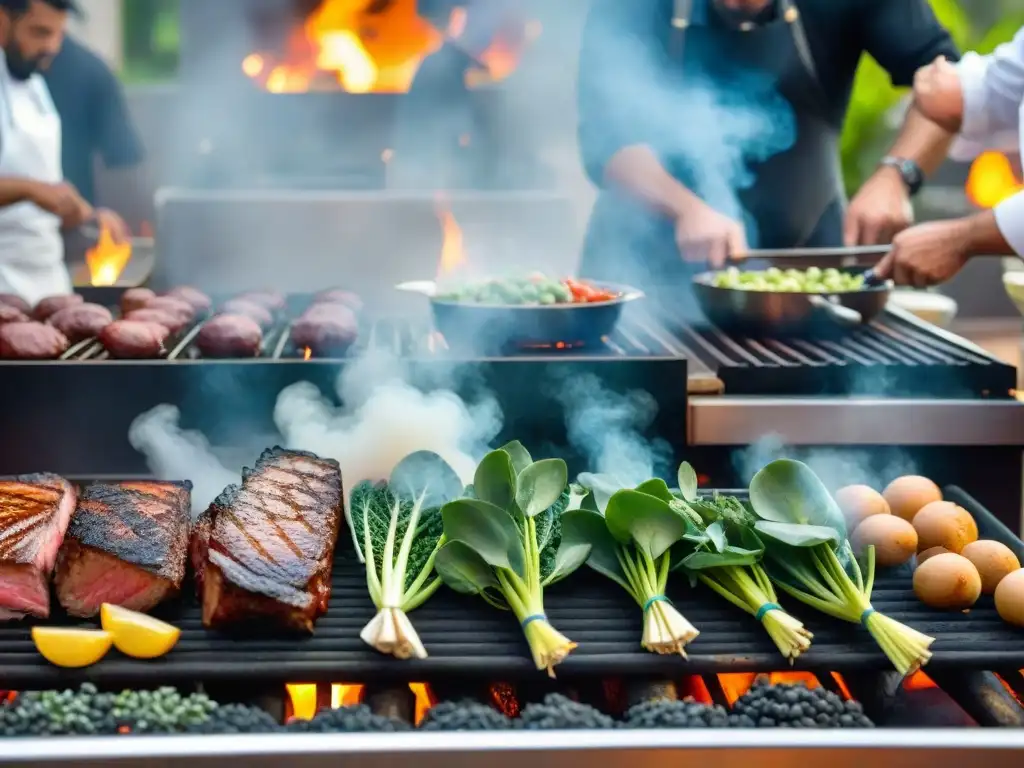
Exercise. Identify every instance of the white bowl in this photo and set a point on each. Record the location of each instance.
(933, 308)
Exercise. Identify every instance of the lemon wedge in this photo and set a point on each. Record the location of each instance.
(69, 647)
(136, 634)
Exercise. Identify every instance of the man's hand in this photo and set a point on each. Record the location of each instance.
(62, 200)
(939, 95)
(879, 210)
(927, 254)
(113, 223)
(704, 234)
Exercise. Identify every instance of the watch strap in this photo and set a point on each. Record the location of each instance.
(909, 171)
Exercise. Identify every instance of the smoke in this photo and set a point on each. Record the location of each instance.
(836, 467)
(607, 429)
(382, 419)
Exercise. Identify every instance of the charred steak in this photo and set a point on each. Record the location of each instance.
(34, 514)
(127, 545)
(271, 544)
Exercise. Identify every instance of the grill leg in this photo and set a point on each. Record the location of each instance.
(982, 696)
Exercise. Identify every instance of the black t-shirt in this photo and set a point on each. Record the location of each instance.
(94, 116)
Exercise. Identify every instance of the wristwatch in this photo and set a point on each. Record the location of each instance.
(909, 171)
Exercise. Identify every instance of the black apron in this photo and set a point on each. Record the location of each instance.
(797, 196)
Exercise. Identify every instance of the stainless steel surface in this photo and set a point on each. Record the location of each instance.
(888, 748)
(815, 253)
(855, 421)
(783, 313)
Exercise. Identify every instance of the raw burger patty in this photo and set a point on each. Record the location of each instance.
(53, 304)
(81, 321)
(135, 298)
(230, 336)
(128, 339)
(31, 341)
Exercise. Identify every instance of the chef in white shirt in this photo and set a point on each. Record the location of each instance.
(982, 99)
(35, 202)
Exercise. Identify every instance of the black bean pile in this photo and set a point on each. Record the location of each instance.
(165, 711)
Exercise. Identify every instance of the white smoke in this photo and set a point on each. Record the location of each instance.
(383, 419)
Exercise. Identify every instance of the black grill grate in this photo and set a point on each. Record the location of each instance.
(468, 639)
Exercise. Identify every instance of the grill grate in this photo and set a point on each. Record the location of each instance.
(467, 639)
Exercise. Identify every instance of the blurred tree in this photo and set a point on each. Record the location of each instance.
(151, 39)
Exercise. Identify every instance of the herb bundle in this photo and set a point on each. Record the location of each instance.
(809, 557)
(727, 559)
(511, 541)
(631, 534)
(397, 530)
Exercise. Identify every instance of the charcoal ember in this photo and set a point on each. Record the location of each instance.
(665, 713)
(14, 300)
(195, 298)
(81, 321)
(557, 712)
(247, 308)
(31, 341)
(236, 718)
(53, 304)
(356, 719)
(230, 336)
(135, 298)
(796, 706)
(9, 314)
(466, 715)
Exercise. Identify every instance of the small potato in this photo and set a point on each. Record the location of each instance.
(929, 553)
(894, 539)
(1009, 598)
(859, 502)
(944, 524)
(993, 560)
(947, 581)
(910, 493)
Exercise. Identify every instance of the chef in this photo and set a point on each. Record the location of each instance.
(713, 126)
(982, 99)
(35, 201)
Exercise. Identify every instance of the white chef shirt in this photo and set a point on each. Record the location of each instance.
(993, 89)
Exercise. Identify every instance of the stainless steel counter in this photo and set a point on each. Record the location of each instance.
(569, 749)
(728, 420)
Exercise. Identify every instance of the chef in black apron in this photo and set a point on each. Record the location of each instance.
(640, 56)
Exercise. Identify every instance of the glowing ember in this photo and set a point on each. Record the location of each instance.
(991, 180)
(736, 684)
(453, 255)
(106, 260)
(307, 353)
(359, 48)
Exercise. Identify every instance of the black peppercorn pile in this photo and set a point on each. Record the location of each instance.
(796, 706)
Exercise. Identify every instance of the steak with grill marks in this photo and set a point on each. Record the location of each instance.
(34, 514)
(199, 539)
(127, 545)
(271, 544)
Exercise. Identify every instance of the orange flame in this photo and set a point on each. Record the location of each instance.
(991, 180)
(453, 254)
(106, 260)
(307, 353)
(304, 698)
(736, 684)
(343, 44)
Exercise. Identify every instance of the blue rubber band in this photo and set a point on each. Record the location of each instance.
(765, 608)
(656, 599)
(866, 615)
(530, 619)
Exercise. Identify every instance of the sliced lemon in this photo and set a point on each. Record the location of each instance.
(69, 647)
(136, 634)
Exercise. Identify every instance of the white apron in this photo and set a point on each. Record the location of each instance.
(31, 246)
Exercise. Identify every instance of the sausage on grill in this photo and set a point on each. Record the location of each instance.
(325, 328)
(339, 296)
(53, 304)
(173, 323)
(31, 341)
(9, 314)
(250, 309)
(14, 300)
(230, 336)
(135, 298)
(271, 300)
(128, 339)
(82, 321)
(195, 298)
(180, 308)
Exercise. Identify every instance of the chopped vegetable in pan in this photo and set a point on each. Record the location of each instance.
(533, 290)
(811, 280)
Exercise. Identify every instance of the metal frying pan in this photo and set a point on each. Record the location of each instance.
(491, 327)
(782, 313)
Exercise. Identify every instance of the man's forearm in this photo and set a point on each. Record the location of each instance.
(984, 237)
(637, 171)
(15, 190)
(922, 141)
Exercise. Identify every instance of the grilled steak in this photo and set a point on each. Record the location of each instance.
(31, 341)
(81, 321)
(127, 544)
(199, 539)
(127, 339)
(53, 304)
(135, 298)
(230, 336)
(34, 514)
(271, 546)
